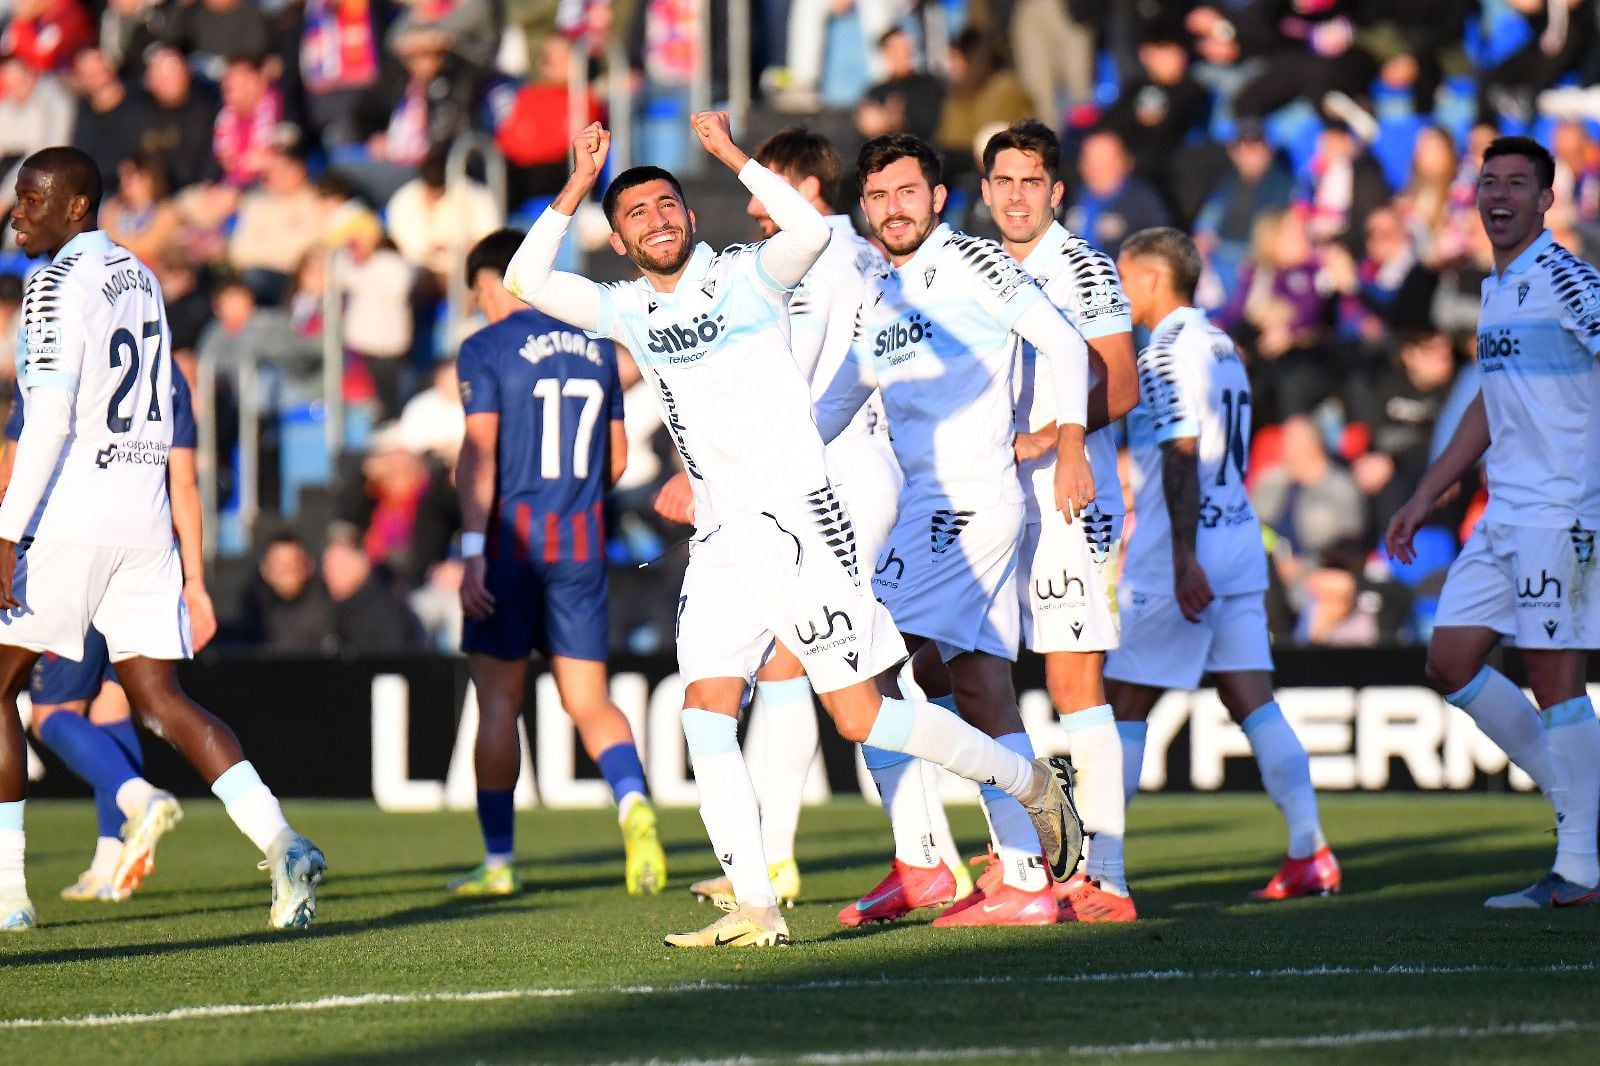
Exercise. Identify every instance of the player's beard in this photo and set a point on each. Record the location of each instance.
(908, 240)
(646, 259)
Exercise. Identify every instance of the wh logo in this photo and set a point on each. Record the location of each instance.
(831, 618)
(1047, 589)
(1526, 590)
(895, 561)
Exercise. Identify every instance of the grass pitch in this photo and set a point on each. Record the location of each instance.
(1405, 966)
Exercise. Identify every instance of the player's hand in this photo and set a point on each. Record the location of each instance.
(476, 600)
(202, 615)
(1074, 482)
(8, 570)
(1191, 586)
(589, 150)
(716, 135)
(1403, 527)
(675, 501)
(1035, 445)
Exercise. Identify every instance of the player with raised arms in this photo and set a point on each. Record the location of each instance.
(1528, 572)
(1193, 589)
(544, 440)
(86, 524)
(710, 333)
(80, 709)
(937, 334)
(865, 474)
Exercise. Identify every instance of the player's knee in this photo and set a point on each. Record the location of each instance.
(853, 712)
(1448, 672)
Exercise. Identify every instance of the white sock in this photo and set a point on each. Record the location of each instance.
(1507, 717)
(625, 805)
(903, 788)
(1132, 735)
(133, 796)
(791, 744)
(1015, 840)
(944, 844)
(927, 732)
(728, 804)
(1101, 800)
(251, 804)
(1574, 745)
(13, 844)
(1286, 773)
(497, 860)
(107, 850)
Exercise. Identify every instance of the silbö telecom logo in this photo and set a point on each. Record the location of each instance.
(679, 338)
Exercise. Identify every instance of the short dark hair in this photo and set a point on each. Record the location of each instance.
(74, 168)
(494, 253)
(893, 147)
(1175, 250)
(801, 153)
(632, 178)
(1030, 136)
(1544, 164)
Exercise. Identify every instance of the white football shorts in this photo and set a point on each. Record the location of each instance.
(1162, 649)
(1068, 591)
(867, 478)
(795, 577)
(949, 576)
(1537, 587)
(134, 596)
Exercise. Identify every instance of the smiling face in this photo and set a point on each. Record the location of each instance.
(653, 227)
(1022, 195)
(1511, 203)
(901, 207)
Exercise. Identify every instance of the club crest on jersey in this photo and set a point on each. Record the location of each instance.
(1582, 544)
(894, 340)
(1522, 292)
(927, 277)
(685, 338)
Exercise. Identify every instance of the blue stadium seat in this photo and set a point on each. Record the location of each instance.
(846, 69)
(302, 455)
(1295, 128)
(1435, 547)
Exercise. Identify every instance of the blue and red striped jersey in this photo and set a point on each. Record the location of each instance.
(557, 392)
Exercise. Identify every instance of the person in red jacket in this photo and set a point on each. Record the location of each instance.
(46, 34)
(534, 135)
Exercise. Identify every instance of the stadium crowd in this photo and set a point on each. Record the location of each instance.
(1322, 152)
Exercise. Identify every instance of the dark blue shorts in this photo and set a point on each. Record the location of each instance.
(552, 608)
(56, 680)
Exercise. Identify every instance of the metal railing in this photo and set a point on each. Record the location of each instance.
(462, 149)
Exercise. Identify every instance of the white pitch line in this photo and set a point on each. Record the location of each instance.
(389, 999)
(867, 1056)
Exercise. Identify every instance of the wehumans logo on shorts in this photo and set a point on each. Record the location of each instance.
(899, 565)
(831, 618)
(1046, 590)
(1526, 591)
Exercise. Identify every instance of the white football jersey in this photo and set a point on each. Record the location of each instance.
(734, 401)
(1193, 384)
(1538, 336)
(937, 333)
(1082, 282)
(822, 318)
(94, 322)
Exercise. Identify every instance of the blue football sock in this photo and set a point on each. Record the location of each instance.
(127, 738)
(88, 752)
(497, 819)
(620, 766)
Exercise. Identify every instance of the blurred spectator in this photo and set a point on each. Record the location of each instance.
(437, 605)
(469, 25)
(251, 114)
(1576, 215)
(432, 226)
(1432, 198)
(141, 216)
(180, 124)
(1307, 50)
(1112, 202)
(369, 616)
(1546, 49)
(46, 34)
(278, 221)
(1307, 501)
(808, 40)
(188, 298)
(110, 120)
(908, 100)
(1343, 185)
(10, 306)
(210, 31)
(1282, 312)
(128, 28)
(407, 509)
(1341, 608)
(339, 60)
(1260, 183)
(1052, 43)
(289, 368)
(288, 608)
(1389, 290)
(433, 422)
(1406, 401)
(35, 112)
(376, 282)
(534, 135)
(1155, 114)
(982, 91)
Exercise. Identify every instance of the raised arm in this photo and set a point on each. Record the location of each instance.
(531, 276)
(802, 232)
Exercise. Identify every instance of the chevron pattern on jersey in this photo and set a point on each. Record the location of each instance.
(41, 307)
(946, 527)
(989, 262)
(836, 528)
(1158, 385)
(1097, 527)
(1576, 284)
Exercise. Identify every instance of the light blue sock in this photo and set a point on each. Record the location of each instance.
(1286, 775)
(11, 816)
(1574, 743)
(1133, 736)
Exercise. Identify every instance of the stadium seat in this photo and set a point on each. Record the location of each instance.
(846, 72)
(302, 453)
(1435, 547)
